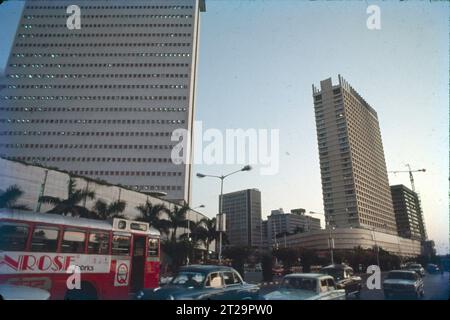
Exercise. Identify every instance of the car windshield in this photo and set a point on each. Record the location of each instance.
(189, 279)
(299, 283)
(401, 275)
(336, 274)
(415, 266)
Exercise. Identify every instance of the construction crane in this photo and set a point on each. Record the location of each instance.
(411, 177)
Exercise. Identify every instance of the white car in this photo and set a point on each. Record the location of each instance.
(307, 286)
(12, 292)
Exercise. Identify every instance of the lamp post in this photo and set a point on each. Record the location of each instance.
(189, 227)
(222, 177)
(330, 236)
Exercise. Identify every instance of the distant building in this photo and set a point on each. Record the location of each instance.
(408, 213)
(355, 184)
(428, 248)
(243, 217)
(280, 223)
(264, 234)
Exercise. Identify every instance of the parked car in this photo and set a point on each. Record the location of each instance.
(433, 268)
(306, 286)
(417, 268)
(403, 283)
(345, 278)
(203, 282)
(13, 292)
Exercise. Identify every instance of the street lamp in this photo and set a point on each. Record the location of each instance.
(189, 227)
(330, 237)
(222, 177)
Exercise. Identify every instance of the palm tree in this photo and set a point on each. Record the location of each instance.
(211, 232)
(71, 205)
(152, 215)
(9, 198)
(104, 211)
(177, 219)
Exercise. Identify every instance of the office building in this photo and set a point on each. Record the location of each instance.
(280, 223)
(102, 101)
(243, 217)
(355, 184)
(408, 213)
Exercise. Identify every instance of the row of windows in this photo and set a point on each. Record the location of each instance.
(93, 109)
(101, 35)
(96, 86)
(96, 44)
(52, 238)
(111, 25)
(100, 54)
(93, 121)
(103, 65)
(93, 98)
(112, 7)
(84, 146)
(144, 187)
(133, 173)
(97, 75)
(91, 159)
(87, 133)
(120, 16)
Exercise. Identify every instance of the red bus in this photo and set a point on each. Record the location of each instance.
(113, 258)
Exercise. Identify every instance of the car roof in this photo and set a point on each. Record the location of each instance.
(205, 268)
(308, 275)
(402, 271)
(338, 266)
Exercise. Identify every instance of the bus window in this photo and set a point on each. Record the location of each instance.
(121, 245)
(44, 239)
(13, 237)
(73, 242)
(153, 247)
(98, 243)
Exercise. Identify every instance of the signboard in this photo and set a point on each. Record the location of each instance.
(42, 262)
(122, 275)
(221, 222)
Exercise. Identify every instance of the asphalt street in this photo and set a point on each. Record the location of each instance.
(436, 287)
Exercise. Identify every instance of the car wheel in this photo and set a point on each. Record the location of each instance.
(418, 295)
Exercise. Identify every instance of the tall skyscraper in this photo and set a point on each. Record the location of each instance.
(408, 213)
(353, 169)
(243, 217)
(102, 101)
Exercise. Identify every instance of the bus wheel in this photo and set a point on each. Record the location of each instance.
(87, 292)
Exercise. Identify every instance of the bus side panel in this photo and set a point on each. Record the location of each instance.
(151, 279)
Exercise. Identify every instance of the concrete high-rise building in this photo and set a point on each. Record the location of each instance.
(408, 213)
(243, 217)
(355, 184)
(102, 101)
(280, 223)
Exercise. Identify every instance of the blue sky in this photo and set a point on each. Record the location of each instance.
(258, 60)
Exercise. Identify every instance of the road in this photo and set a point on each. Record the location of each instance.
(436, 287)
